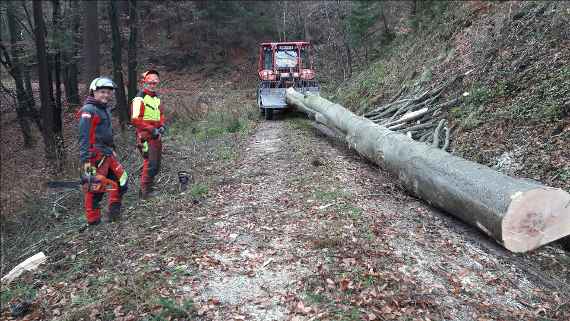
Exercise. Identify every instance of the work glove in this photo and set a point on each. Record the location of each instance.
(155, 133)
(161, 129)
(88, 172)
(89, 169)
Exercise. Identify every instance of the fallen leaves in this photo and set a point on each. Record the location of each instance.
(301, 308)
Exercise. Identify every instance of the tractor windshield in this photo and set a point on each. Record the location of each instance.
(286, 58)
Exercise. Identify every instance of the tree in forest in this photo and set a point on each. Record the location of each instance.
(56, 66)
(13, 61)
(90, 42)
(132, 50)
(362, 16)
(235, 23)
(121, 100)
(71, 42)
(51, 133)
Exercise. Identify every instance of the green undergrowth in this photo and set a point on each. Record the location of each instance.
(216, 124)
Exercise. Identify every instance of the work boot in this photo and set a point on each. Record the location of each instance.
(94, 223)
(115, 212)
(143, 194)
(147, 191)
(147, 194)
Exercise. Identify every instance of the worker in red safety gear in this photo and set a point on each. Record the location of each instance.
(148, 119)
(96, 152)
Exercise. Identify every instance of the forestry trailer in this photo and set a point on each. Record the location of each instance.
(283, 65)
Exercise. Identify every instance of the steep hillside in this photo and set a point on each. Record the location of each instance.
(514, 113)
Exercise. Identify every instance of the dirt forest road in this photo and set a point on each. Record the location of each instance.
(297, 227)
(307, 230)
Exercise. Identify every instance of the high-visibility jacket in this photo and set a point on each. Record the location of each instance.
(146, 112)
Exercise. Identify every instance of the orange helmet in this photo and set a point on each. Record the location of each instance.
(145, 74)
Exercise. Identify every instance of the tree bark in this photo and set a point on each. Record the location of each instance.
(121, 100)
(58, 123)
(15, 66)
(51, 139)
(383, 14)
(31, 101)
(90, 43)
(132, 51)
(520, 214)
(71, 51)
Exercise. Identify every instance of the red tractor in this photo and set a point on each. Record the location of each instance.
(283, 65)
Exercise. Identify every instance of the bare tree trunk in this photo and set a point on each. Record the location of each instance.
(383, 13)
(71, 51)
(132, 51)
(30, 100)
(520, 214)
(52, 139)
(16, 70)
(91, 42)
(284, 25)
(348, 52)
(121, 102)
(58, 124)
(414, 14)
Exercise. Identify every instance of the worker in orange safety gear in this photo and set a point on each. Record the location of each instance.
(147, 117)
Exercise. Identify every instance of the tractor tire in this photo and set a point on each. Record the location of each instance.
(565, 242)
(268, 114)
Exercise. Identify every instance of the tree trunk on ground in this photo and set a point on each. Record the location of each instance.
(520, 214)
(90, 43)
(121, 100)
(132, 52)
(53, 140)
(17, 72)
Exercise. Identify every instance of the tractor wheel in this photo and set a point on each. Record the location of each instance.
(258, 98)
(268, 114)
(565, 242)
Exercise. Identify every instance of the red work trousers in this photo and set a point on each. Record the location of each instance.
(113, 170)
(151, 150)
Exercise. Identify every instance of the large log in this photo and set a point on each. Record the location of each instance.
(520, 214)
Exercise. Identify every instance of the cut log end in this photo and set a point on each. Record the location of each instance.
(535, 218)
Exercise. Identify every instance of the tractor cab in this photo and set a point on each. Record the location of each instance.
(283, 65)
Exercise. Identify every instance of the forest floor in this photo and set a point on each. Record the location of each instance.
(279, 223)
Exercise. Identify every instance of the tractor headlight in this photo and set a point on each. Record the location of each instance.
(295, 75)
(284, 75)
(267, 74)
(307, 74)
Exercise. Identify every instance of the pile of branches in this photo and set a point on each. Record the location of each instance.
(418, 114)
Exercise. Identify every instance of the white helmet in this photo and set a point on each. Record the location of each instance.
(101, 82)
